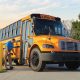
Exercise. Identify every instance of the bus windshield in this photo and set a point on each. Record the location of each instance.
(46, 27)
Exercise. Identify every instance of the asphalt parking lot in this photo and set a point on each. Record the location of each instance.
(52, 72)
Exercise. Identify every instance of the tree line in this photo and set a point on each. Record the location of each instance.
(75, 31)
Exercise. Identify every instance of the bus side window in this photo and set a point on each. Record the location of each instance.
(23, 30)
(7, 32)
(14, 29)
(30, 25)
(4, 33)
(18, 27)
(10, 30)
(0, 34)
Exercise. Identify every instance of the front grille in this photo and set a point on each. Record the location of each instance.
(63, 45)
(69, 45)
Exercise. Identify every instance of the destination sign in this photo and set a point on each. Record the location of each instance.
(47, 17)
(42, 16)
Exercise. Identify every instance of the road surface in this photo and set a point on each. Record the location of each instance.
(50, 73)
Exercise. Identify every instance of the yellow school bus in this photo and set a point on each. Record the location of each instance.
(39, 41)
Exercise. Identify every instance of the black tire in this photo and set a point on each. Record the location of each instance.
(36, 62)
(72, 65)
(16, 62)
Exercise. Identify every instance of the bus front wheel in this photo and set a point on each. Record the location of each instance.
(36, 62)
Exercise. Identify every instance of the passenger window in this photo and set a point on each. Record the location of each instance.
(10, 30)
(18, 27)
(29, 25)
(14, 29)
(3, 33)
(0, 34)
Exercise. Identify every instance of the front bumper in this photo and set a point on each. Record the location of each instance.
(60, 57)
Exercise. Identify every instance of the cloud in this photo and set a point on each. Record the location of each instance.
(8, 7)
(76, 1)
(12, 10)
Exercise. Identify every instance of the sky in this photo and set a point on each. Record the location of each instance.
(13, 10)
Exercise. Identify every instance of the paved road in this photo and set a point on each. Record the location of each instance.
(50, 73)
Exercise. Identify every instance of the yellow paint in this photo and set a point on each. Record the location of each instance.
(54, 40)
(1, 56)
(17, 50)
(26, 18)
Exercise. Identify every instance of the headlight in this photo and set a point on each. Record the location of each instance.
(47, 46)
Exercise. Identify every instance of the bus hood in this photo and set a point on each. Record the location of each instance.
(56, 41)
(53, 38)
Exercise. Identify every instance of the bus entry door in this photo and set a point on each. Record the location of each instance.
(26, 31)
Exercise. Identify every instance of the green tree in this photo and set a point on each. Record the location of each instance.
(75, 31)
(79, 16)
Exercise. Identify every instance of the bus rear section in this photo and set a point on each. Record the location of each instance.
(9, 32)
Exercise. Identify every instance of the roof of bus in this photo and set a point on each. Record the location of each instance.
(25, 18)
(36, 15)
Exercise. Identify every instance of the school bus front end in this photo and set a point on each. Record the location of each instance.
(50, 46)
(58, 49)
(54, 49)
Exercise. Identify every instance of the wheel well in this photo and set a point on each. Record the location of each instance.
(34, 46)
